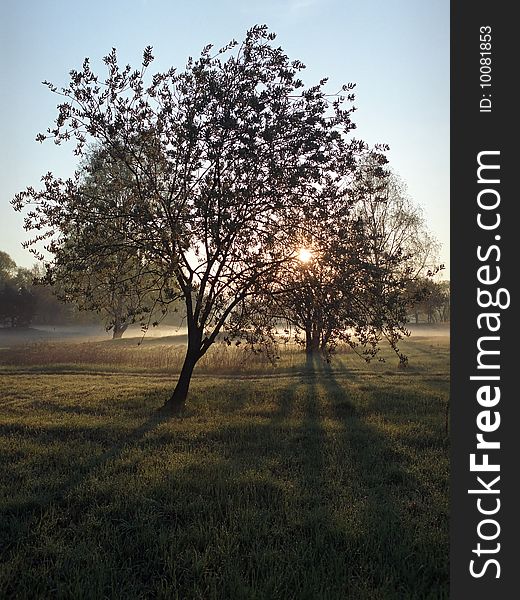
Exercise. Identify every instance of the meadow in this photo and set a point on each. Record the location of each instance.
(302, 481)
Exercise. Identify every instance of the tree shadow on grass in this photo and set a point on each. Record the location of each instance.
(327, 497)
(403, 550)
(306, 500)
(56, 492)
(355, 520)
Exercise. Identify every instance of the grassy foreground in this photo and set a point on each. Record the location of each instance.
(307, 483)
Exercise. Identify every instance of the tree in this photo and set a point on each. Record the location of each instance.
(445, 301)
(7, 267)
(242, 146)
(431, 298)
(49, 309)
(399, 251)
(322, 294)
(353, 283)
(394, 225)
(96, 264)
(17, 301)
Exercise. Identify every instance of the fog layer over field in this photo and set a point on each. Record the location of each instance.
(177, 335)
(84, 333)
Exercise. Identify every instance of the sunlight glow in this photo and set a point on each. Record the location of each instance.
(304, 255)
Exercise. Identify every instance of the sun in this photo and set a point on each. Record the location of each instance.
(304, 255)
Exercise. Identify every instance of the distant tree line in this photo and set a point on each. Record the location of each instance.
(26, 299)
(434, 306)
(23, 304)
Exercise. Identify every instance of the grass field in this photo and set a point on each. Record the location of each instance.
(301, 482)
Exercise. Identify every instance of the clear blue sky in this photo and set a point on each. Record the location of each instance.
(396, 51)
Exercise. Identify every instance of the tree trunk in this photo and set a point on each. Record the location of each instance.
(312, 342)
(325, 337)
(119, 329)
(120, 323)
(177, 400)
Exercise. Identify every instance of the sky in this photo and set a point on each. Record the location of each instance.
(395, 51)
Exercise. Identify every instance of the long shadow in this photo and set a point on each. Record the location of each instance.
(385, 553)
(313, 472)
(246, 491)
(325, 538)
(286, 405)
(33, 507)
(393, 498)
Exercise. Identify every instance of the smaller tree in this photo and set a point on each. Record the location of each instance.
(8, 267)
(360, 253)
(96, 264)
(399, 249)
(445, 303)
